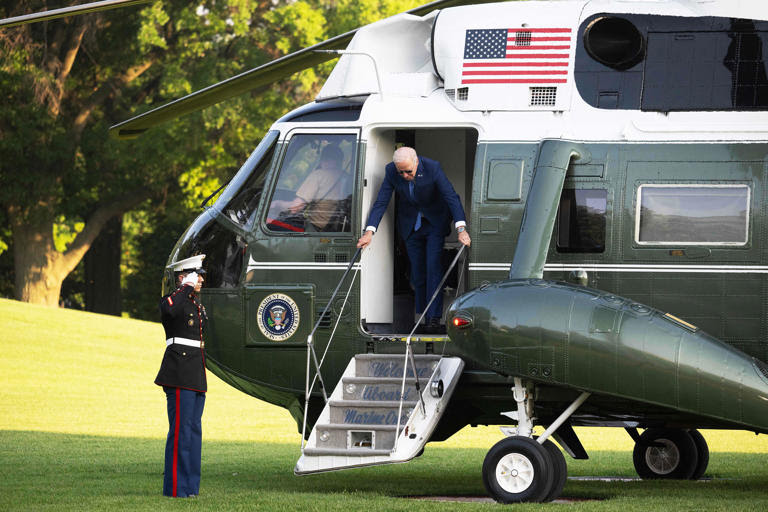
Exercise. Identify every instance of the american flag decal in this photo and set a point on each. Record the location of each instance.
(516, 56)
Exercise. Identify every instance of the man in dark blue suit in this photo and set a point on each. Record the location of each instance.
(426, 202)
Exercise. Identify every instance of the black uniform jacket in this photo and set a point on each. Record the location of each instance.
(183, 317)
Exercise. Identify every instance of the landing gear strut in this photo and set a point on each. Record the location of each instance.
(524, 468)
(673, 454)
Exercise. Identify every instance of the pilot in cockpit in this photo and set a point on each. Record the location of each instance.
(323, 198)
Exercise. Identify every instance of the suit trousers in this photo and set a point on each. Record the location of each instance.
(183, 446)
(425, 251)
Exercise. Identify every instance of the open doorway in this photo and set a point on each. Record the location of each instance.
(387, 304)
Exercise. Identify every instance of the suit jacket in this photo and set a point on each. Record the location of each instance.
(183, 317)
(434, 197)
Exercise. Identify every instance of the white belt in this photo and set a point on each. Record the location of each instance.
(182, 341)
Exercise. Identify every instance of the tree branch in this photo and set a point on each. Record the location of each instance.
(94, 224)
(71, 53)
(104, 92)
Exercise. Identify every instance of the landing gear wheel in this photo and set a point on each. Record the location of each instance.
(518, 469)
(559, 470)
(675, 457)
(703, 451)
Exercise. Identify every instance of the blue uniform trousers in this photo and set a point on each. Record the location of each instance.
(425, 252)
(182, 448)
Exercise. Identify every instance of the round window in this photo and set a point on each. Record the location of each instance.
(615, 42)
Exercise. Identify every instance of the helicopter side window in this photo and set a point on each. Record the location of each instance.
(692, 214)
(581, 220)
(224, 250)
(314, 189)
(241, 197)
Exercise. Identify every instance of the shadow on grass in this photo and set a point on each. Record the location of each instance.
(78, 472)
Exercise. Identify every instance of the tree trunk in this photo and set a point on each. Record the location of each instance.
(40, 268)
(102, 270)
(38, 278)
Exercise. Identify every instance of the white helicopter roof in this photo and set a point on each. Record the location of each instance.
(426, 65)
(408, 53)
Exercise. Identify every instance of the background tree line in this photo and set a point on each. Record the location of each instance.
(88, 221)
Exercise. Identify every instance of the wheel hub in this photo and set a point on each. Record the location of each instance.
(662, 460)
(514, 473)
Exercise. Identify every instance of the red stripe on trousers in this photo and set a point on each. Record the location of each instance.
(176, 442)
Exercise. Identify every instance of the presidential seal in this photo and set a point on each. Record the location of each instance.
(278, 317)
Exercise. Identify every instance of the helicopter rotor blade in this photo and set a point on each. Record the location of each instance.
(258, 77)
(69, 11)
(242, 83)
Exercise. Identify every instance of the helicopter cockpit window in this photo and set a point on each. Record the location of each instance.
(314, 189)
(241, 197)
(694, 214)
(581, 220)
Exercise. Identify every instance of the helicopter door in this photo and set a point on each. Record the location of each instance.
(304, 236)
(386, 296)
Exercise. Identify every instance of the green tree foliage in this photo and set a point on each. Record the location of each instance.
(64, 82)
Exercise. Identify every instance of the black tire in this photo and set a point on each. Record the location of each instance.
(525, 469)
(675, 460)
(703, 452)
(559, 470)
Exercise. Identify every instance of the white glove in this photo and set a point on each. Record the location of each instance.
(190, 279)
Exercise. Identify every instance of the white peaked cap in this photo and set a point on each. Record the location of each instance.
(193, 263)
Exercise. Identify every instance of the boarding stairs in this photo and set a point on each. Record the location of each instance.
(359, 425)
(385, 407)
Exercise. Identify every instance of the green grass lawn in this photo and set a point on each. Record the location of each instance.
(82, 427)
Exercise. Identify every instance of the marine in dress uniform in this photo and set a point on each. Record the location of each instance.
(182, 376)
(426, 201)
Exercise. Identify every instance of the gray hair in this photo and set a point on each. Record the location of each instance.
(404, 154)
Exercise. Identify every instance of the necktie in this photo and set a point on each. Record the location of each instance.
(418, 217)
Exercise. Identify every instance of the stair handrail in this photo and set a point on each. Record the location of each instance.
(409, 351)
(322, 359)
(336, 325)
(458, 287)
(312, 355)
(437, 290)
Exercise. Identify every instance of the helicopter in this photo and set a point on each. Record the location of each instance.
(612, 159)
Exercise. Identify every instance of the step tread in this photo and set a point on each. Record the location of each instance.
(345, 451)
(356, 426)
(371, 403)
(415, 337)
(378, 380)
(417, 357)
